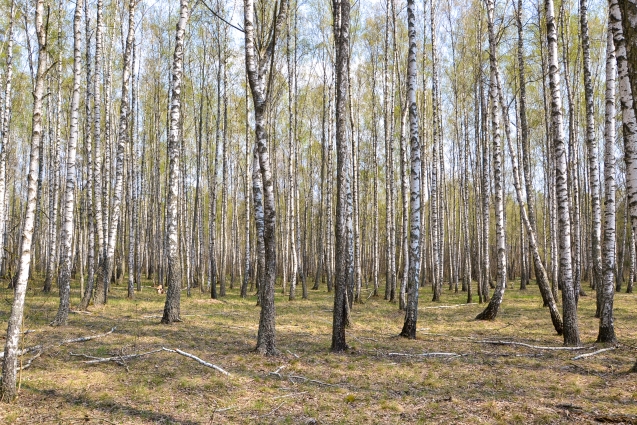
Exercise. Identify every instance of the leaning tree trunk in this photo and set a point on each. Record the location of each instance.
(9, 363)
(173, 294)
(541, 274)
(411, 313)
(68, 227)
(571, 330)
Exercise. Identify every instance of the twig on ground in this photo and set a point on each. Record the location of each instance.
(117, 359)
(275, 409)
(42, 347)
(363, 337)
(583, 356)
(197, 359)
(449, 306)
(120, 359)
(425, 355)
(294, 354)
(535, 347)
(289, 395)
(300, 378)
(28, 364)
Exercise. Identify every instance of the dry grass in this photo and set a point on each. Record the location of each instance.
(486, 384)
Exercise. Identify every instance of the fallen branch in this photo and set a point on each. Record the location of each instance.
(117, 359)
(583, 356)
(28, 364)
(535, 347)
(42, 347)
(449, 306)
(120, 359)
(300, 378)
(197, 359)
(425, 355)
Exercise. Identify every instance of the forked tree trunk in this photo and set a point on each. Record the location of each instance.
(258, 70)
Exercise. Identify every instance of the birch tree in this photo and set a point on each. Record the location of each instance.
(173, 294)
(569, 305)
(258, 56)
(4, 136)
(591, 144)
(411, 313)
(68, 226)
(14, 328)
(607, 285)
(341, 22)
(122, 141)
(491, 311)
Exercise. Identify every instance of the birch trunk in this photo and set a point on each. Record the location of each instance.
(4, 137)
(122, 141)
(258, 68)
(87, 294)
(411, 313)
(491, 311)
(100, 295)
(607, 287)
(591, 144)
(68, 227)
(571, 331)
(541, 274)
(341, 16)
(173, 294)
(14, 328)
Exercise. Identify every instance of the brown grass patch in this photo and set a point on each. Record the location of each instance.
(485, 384)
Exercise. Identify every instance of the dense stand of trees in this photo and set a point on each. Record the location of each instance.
(331, 145)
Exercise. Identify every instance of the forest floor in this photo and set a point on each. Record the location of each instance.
(306, 384)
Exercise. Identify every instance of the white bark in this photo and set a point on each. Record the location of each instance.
(607, 285)
(173, 295)
(491, 310)
(411, 314)
(9, 364)
(122, 141)
(4, 136)
(68, 226)
(571, 331)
